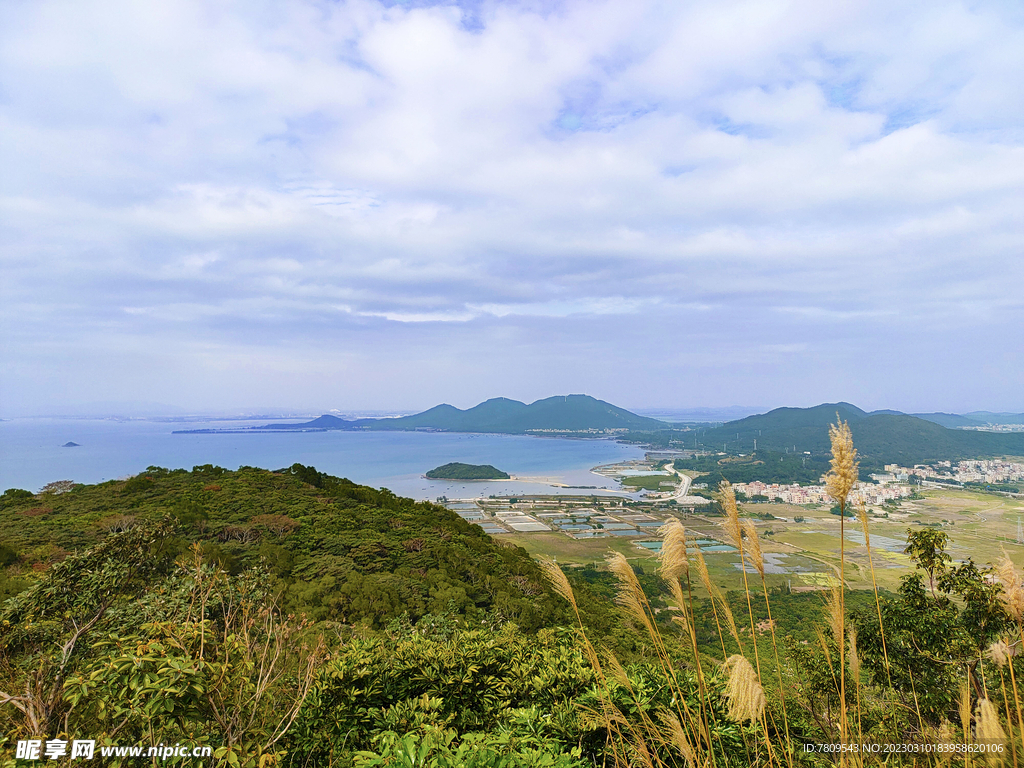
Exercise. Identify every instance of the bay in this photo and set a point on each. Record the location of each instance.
(31, 455)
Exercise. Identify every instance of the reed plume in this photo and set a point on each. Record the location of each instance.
(841, 479)
(743, 692)
(616, 671)
(1012, 595)
(862, 515)
(631, 597)
(854, 664)
(757, 558)
(630, 594)
(854, 660)
(988, 728)
(834, 610)
(735, 530)
(999, 653)
(727, 498)
(674, 563)
(677, 594)
(675, 735)
(675, 566)
(556, 578)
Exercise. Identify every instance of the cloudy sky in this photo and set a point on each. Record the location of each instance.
(363, 205)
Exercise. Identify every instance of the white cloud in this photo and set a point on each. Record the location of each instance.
(382, 180)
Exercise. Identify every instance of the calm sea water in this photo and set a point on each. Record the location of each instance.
(31, 455)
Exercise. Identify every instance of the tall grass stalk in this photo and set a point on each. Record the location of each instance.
(862, 514)
(1012, 598)
(631, 596)
(997, 652)
(854, 663)
(608, 713)
(757, 557)
(674, 567)
(717, 598)
(964, 708)
(841, 479)
(734, 528)
(727, 497)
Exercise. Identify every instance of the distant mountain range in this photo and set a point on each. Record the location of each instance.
(880, 436)
(557, 415)
(883, 436)
(973, 419)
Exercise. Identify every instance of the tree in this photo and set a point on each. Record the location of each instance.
(928, 549)
(933, 634)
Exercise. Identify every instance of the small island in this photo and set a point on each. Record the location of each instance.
(71, 444)
(458, 471)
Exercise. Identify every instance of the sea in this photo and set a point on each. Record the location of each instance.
(32, 454)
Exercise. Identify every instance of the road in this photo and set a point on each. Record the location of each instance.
(684, 482)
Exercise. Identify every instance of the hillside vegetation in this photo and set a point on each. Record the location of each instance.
(336, 550)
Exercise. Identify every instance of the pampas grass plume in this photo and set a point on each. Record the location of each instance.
(676, 735)
(559, 583)
(988, 728)
(674, 563)
(843, 475)
(999, 652)
(727, 498)
(743, 691)
(854, 660)
(1012, 596)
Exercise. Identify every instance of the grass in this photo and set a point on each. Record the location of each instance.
(648, 482)
(559, 547)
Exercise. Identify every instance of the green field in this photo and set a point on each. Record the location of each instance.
(648, 482)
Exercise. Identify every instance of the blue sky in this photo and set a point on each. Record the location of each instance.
(363, 205)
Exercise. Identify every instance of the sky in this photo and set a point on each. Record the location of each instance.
(364, 205)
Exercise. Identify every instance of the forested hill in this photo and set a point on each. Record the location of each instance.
(563, 413)
(880, 437)
(456, 470)
(337, 551)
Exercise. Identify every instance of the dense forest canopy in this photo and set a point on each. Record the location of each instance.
(335, 549)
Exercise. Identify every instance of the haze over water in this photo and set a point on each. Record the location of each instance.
(31, 455)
